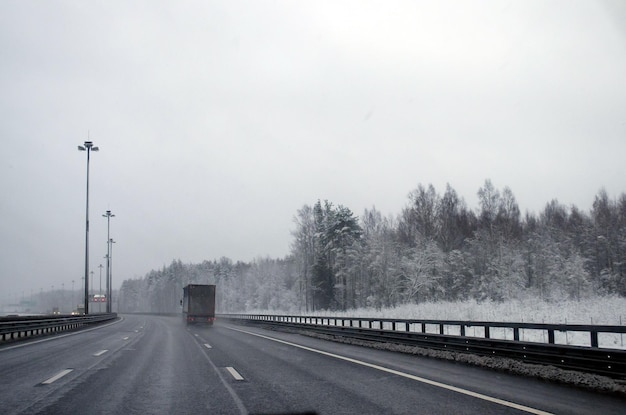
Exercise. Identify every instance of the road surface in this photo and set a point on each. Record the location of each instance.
(157, 365)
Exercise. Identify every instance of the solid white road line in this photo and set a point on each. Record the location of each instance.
(56, 377)
(407, 375)
(234, 373)
(100, 353)
(207, 345)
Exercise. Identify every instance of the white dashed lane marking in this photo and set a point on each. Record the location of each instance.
(57, 376)
(234, 373)
(100, 353)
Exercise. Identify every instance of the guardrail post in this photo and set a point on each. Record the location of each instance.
(516, 334)
(462, 329)
(441, 328)
(550, 336)
(594, 339)
(423, 327)
(487, 334)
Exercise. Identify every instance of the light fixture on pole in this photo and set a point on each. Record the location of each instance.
(108, 215)
(88, 147)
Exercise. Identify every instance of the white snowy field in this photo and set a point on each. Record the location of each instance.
(598, 310)
(594, 311)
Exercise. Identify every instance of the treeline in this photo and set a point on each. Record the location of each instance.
(267, 284)
(435, 249)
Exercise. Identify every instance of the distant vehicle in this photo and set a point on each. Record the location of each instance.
(80, 309)
(198, 303)
(55, 311)
(99, 298)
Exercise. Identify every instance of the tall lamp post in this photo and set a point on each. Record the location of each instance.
(108, 215)
(88, 147)
(100, 292)
(109, 294)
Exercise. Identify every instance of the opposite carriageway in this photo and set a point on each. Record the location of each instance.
(20, 327)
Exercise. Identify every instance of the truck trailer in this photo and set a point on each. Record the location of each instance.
(199, 304)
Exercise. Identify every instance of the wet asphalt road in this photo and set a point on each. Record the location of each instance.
(158, 365)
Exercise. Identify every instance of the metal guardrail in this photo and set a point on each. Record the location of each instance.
(421, 326)
(592, 359)
(17, 328)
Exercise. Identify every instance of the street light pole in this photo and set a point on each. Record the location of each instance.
(108, 215)
(100, 292)
(110, 296)
(88, 147)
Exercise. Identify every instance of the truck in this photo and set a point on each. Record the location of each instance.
(199, 304)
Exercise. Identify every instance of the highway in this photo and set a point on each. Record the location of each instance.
(156, 364)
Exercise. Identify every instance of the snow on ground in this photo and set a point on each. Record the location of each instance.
(598, 310)
(594, 311)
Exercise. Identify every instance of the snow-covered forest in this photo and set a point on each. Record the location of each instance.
(435, 249)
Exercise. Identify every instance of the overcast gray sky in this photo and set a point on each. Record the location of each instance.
(218, 120)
